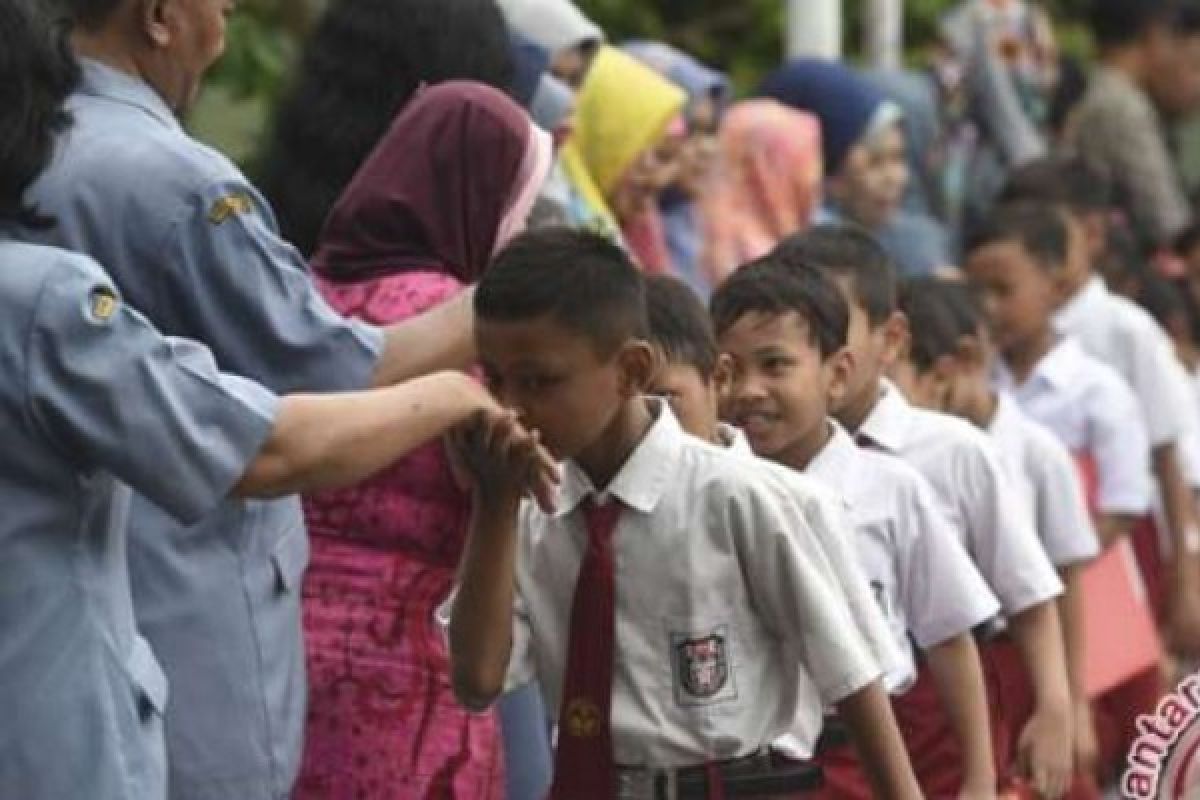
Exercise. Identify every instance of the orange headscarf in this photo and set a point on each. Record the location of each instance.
(767, 184)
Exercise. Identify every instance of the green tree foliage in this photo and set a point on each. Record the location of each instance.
(743, 37)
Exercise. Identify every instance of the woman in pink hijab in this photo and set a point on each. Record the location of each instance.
(450, 183)
(767, 184)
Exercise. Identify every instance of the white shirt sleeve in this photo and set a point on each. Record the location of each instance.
(942, 592)
(794, 589)
(1002, 543)
(1060, 508)
(831, 526)
(1119, 447)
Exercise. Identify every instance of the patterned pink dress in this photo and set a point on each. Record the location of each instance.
(383, 723)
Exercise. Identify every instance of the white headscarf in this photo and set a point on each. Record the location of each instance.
(554, 24)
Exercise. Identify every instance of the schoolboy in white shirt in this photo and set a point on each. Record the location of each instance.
(785, 330)
(668, 607)
(964, 470)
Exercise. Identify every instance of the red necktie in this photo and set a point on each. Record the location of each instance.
(583, 762)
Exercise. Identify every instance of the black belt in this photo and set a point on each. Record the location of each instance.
(758, 775)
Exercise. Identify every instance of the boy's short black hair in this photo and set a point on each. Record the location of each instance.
(1119, 22)
(680, 325)
(582, 280)
(847, 251)
(772, 286)
(1163, 299)
(1064, 179)
(1039, 228)
(939, 314)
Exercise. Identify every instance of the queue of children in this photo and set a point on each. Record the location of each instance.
(653, 443)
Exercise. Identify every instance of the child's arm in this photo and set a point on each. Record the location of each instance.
(481, 623)
(1044, 750)
(868, 717)
(1183, 620)
(1111, 528)
(959, 677)
(1070, 612)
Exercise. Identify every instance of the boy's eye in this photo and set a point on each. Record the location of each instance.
(776, 363)
(537, 383)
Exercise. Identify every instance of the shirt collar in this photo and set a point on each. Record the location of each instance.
(101, 80)
(1057, 369)
(1085, 302)
(733, 440)
(834, 465)
(888, 423)
(1005, 418)
(644, 478)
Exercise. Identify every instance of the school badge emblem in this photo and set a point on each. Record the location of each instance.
(582, 719)
(702, 665)
(230, 206)
(102, 304)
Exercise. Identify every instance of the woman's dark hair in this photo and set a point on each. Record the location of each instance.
(37, 72)
(362, 64)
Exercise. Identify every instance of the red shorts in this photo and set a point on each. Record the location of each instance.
(1147, 549)
(1010, 700)
(928, 735)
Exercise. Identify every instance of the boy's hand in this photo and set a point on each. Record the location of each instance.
(1183, 619)
(977, 792)
(501, 460)
(1087, 750)
(1044, 752)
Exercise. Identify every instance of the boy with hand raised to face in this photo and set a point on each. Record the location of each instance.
(668, 606)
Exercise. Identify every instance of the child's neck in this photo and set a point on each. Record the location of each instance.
(808, 447)
(979, 405)
(854, 413)
(604, 458)
(1023, 357)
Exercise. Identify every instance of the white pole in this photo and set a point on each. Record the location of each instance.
(814, 28)
(884, 33)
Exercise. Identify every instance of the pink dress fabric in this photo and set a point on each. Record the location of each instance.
(384, 555)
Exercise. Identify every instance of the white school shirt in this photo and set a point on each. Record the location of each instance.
(1092, 412)
(828, 515)
(1118, 332)
(922, 578)
(976, 495)
(725, 604)
(1044, 473)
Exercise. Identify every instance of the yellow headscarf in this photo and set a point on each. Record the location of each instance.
(623, 109)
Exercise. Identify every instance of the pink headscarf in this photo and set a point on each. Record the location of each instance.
(766, 187)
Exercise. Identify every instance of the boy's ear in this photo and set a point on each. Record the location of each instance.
(970, 352)
(840, 368)
(638, 363)
(897, 339)
(722, 377)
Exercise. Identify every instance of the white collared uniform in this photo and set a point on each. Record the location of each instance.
(828, 516)
(1121, 334)
(922, 577)
(1092, 412)
(974, 492)
(705, 550)
(1042, 470)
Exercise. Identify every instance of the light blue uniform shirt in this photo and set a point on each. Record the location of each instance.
(93, 395)
(193, 246)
